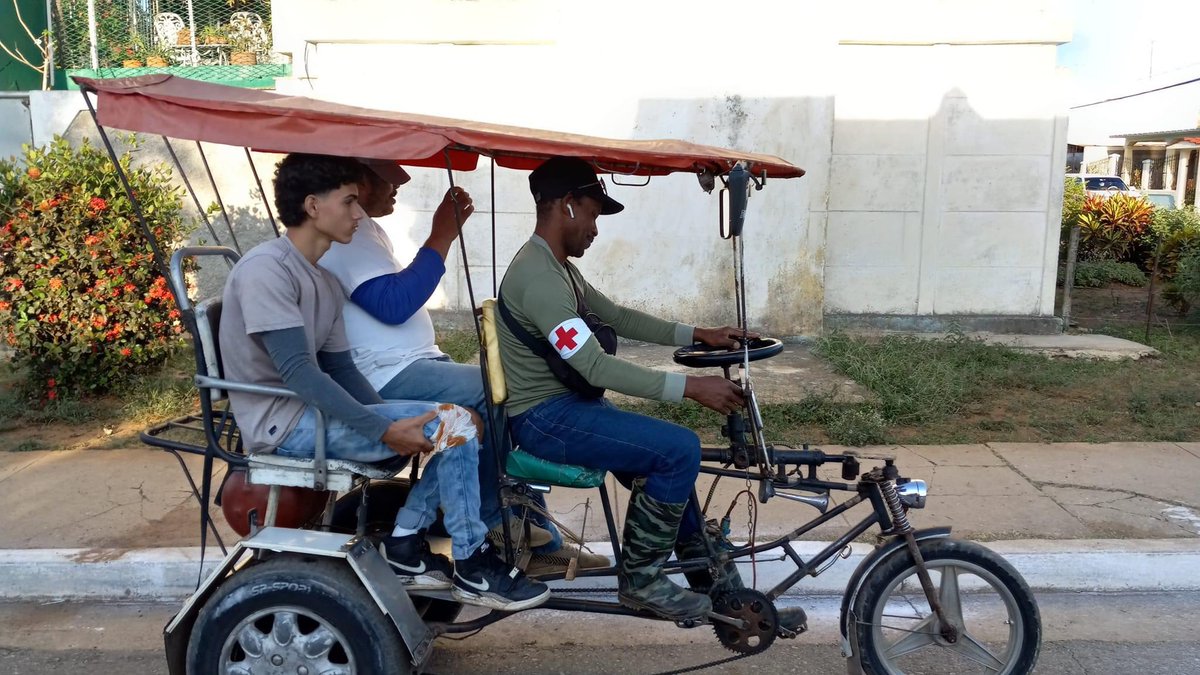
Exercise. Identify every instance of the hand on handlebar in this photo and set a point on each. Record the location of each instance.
(726, 336)
(406, 437)
(445, 227)
(715, 392)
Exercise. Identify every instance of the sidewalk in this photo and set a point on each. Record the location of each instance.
(1115, 516)
(1118, 516)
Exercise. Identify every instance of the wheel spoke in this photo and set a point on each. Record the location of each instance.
(924, 633)
(970, 648)
(250, 639)
(948, 596)
(317, 644)
(285, 629)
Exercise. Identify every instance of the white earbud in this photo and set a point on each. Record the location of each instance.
(571, 212)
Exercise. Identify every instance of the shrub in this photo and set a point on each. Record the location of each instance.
(81, 303)
(1113, 228)
(1074, 195)
(1183, 290)
(1098, 273)
(1172, 231)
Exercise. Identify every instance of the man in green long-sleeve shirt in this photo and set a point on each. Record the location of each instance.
(547, 296)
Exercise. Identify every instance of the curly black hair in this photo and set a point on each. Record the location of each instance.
(299, 175)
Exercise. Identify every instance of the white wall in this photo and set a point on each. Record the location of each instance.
(930, 131)
(946, 181)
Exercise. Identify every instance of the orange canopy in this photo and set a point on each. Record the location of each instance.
(189, 109)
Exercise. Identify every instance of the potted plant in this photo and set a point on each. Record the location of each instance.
(131, 56)
(184, 36)
(212, 35)
(157, 57)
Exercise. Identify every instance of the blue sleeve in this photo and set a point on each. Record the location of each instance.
(393, 298)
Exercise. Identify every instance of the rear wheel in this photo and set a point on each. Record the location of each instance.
(983, 598)
(296, 615)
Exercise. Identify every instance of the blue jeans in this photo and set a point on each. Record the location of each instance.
(569, 429)
(445, 381)
(450, 479)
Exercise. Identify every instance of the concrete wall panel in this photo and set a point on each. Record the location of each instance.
(989, 183)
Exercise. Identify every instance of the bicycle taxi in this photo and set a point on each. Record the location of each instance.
(305, 589)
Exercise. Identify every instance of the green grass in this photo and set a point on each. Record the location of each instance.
(961, 390)
(460, 345)
(165, 394)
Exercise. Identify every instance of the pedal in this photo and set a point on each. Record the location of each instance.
(792, 622)
(693, 622)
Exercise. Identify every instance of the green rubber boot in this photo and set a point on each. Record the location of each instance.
(701, 581)
(650, 529)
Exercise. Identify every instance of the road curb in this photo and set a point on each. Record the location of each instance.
(163, 574)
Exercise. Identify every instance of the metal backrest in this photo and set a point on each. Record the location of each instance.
(208, 329)
(166, 28)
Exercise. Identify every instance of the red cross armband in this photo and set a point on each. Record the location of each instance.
(568, 337)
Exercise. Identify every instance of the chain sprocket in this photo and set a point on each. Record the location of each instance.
(756, 611)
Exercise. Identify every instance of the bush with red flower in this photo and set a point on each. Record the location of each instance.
(82, 306)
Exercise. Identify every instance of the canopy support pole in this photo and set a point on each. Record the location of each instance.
(489, 411)
(261, 193)
(159, 260)
(217, 192)
(192, 193)
(164, 270)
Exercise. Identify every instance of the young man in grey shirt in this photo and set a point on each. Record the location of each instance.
(282, 326)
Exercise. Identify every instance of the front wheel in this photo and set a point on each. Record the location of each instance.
(295, 615)
(985, 601)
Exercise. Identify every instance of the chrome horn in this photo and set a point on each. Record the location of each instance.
(819, 502)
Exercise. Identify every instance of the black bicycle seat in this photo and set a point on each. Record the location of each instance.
(704, 356)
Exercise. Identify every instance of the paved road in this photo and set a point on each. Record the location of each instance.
(1085, 635)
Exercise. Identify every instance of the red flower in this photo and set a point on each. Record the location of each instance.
(126, 352)
(99, 322)
(92, 239)
(35, 173)
(97, 204)
(51, 383)
(56, 283)
(51, 395)
(5, 306)
(15, 283)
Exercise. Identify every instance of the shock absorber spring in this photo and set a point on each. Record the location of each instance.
(900, 524)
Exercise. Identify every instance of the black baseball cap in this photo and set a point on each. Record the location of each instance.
(560, 176)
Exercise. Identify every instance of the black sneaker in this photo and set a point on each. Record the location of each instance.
(487, 581)
(415, 565)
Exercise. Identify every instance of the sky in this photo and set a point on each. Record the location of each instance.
(1121, 47)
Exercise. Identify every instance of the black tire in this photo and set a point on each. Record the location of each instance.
(298, 611)
(1001, 620)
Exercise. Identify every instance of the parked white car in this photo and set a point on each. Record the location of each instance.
(1103, 185)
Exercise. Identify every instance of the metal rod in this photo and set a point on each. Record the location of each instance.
(261, 193)
(192, 193)
(1069, 276)
(827, 553)
(92, 39)
(490, 411)
(1150, 293)
(217, 192)
(495, 287)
